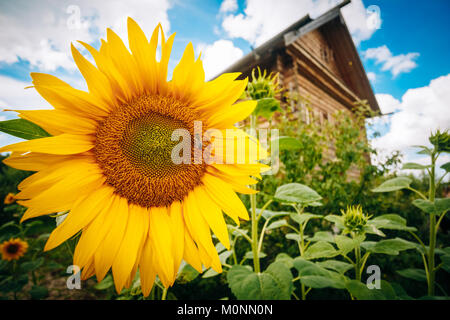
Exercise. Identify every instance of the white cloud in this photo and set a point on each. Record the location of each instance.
(41, 32)
(402, 63)
(228, 6)
(420, 112)
(218, 56)
(13, 95)
(361, 22)
(387, 103)
(261, 20)
(372, 76)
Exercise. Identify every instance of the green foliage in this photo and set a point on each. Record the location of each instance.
(296, 193)
(394, 185)
(22, 128)
(275, 283)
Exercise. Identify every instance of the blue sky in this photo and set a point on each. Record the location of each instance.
(406, 58)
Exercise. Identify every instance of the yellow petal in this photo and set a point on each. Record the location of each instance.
(83, 212)
(213, 215)
(178, 227)
(33, 161)
(124, 62)
(229, 115)
(62, 195)
(188, 76)
(96, 81)
(134, 235)
(161, 238)
(147, 270)
(56, 122)
(62, 145)
(166, 48)
(93, 235)
(191, 254)
(107, 251)
(224, 196)
(199, 229)
(144, 53)
(63, 96)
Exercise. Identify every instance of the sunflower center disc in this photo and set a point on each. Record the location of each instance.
(12, 248)
(134, 149)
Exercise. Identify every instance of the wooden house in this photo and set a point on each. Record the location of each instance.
(316, 58)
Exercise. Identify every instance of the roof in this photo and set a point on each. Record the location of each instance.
(332, 23)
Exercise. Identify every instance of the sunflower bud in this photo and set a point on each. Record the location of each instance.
(354, 219)
(441, 141)
(263, 85)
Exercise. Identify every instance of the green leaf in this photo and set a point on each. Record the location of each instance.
(293, 236)
(321, 249)
(346, 244)
(210, 273)
(277, 224)
(309, 268)
(339, 266)
(288, 143)
(11, 284)
(106, 283)
(370, 228)
(283, 277)
(445, 259)
(414, 166)
(224, 256)
(220, 247)
(415, 274)
(249, 255)
(247, 285)
(424, 205)
(31, 265)
(439, 206)
(361, 292)
(323, 282)
(268, 214)
(322, 236)
(425, 150)
(286, 259)
(266, 107)
(38, 292)
(301, 218)
(187, 274)
(391, 222)
(337, 220)
(400, 292)
(393, 184)
(22, 128)
(389, 246)
(446, 166)
(315, 276)
(296, 193)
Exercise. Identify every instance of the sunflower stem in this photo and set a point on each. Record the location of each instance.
(164, 294)
(253, 211)
(432, 241)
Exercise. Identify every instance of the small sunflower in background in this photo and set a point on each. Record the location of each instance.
(10, 198)
(13, 249)
(109, 162)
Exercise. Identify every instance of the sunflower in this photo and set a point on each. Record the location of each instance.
(109, 160)
(10, 198)
(13, 249)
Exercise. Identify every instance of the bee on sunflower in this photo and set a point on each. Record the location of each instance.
(13, 249)
(109, 161)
